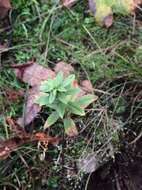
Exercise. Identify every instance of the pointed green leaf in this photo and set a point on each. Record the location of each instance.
(51, 120)
(70, 128)
(76, 109)
(84, 101)
(62, 89)
(52, 96)
(68, 80)
(47, 86)
(73, 91)
(43, 100)
(60, 108)
(64, 98)
(59, 79)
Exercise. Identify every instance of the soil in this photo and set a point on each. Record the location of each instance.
(125, 173)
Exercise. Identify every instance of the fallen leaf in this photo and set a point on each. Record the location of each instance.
(5, 6)
(12, 144)
(86, 85)
(103, 10)
(31, 109)
(33, 73)
(67, 69)
(68, 3)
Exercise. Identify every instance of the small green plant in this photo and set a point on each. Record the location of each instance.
(61, 96)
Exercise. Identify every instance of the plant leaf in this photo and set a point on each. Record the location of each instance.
(47, 86)
(68, 80)
(59, 79)
(103, 9)
(52, 96)
(62, 89)
(64, 98)
(32, 73)
(51, 120)
(76, 109)
(84, 101)
(42, 100)
(60, 108)
(70, 128)
(73, 91)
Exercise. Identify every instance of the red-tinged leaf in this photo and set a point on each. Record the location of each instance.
(33, 73)
(75, 84)
(5, 6)
(70, 128)
(31, 109)
(68, 3)
(67, 69)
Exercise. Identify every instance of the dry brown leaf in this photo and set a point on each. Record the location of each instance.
(12, 144)
(86, 85)
(67, 69)
(31, 109)
(68, 3)
(5, 6)
(32, 73)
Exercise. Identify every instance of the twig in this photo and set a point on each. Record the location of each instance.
(137, 138)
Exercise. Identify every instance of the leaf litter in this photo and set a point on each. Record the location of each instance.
(5, 7)
(22, 137)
